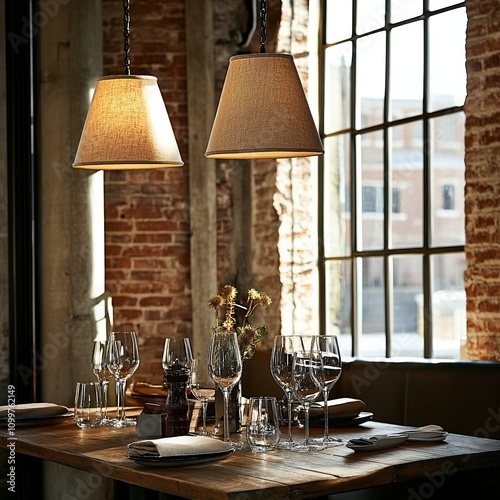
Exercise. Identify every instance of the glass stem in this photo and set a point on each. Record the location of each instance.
(104, 386)
(225, 393)
(289, 401)
(325, 398)
(121, 399)
(306, 424)
(204, 404)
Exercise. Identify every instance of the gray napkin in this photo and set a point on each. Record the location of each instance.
(178, 446)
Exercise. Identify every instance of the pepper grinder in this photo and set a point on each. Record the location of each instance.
(175, 380)
(176, 362)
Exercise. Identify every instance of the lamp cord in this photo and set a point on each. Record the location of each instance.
(263, 16)
(126, 35)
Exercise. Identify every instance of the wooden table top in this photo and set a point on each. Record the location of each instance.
(280, 474)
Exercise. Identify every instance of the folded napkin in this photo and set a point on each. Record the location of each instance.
(378, 442)
(427, 433)
(338, 408)
(178, 446)
(33, 410)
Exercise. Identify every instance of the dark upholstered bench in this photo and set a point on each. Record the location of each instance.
(461, 396)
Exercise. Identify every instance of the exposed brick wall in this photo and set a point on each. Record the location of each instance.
(147, 212)
(482, 200)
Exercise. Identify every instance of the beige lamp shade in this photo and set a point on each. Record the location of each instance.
(127, 127)
(263, 111)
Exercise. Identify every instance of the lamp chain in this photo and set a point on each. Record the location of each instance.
(263, 16)
(126, 34)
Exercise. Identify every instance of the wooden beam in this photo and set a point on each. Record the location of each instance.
(202, 185)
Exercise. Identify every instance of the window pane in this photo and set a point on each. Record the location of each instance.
(338, 20)
(338, 303)
(337, 87)
(371, 160)
(371, 15)
(447, 75)
(448, 305)
(370, 80)
(337, 216)
(448, 170)
(406, 70)
(408, 339)
(401, 10)
(372, 342)
(406, 229)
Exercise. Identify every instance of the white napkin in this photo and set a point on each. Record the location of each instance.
(178, 446)
(33, 410)
(338, 408)
(427, 433)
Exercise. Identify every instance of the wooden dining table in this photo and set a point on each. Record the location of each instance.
(280, 474)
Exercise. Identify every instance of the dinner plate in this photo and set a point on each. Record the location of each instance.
(178, 461)
(33, 422)
(362, 417)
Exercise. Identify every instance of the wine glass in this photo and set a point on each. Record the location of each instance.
(325, 350)
(203, 388)
(225, 368)
(281, 369)
(306, 389)
(177, 353)
(102, 374)
(122, 360)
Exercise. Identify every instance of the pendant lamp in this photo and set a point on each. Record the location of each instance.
(263, 111)
(127, 126)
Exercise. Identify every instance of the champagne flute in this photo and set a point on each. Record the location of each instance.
(122, 360)
(102, 374)
(225, 368)
(325, 350)
(306, 389)
(281, 369)
(203, 388)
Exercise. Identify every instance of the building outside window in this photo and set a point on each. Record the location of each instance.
(391, 223)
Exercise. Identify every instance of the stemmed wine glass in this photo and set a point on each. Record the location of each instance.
(203, 388)
(325, 350)
(306, 389)
(281, 369)
(102, 374)
(225, 368)
(177, 352)
(122, 360)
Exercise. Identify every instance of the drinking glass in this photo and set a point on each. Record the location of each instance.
(177, 353)
(122, 360)
(203, 388)
(281, 369)
(306, 389)
(225, 368)
(88, 404)
(102, 374)
(325, 350)
(263, 426)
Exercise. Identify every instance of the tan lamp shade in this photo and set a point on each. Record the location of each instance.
(127, 127)
(263, 111)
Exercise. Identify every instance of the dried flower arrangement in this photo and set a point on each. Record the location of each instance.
(249, 337)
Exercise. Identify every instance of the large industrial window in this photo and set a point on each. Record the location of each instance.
(392, 235)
